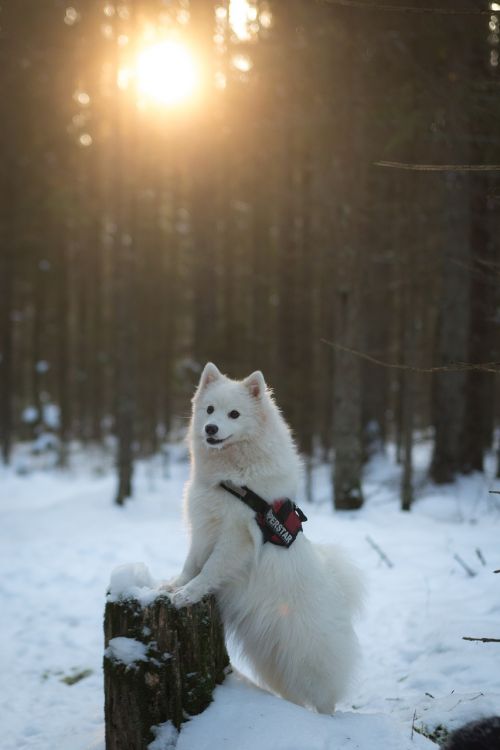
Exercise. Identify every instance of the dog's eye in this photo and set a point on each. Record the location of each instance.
(234, 414)
(210, 409)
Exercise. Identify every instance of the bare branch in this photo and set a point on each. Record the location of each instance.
(439, 167)
(455, 367)
(409, 8)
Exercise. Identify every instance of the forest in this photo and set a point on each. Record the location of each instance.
(306, 187)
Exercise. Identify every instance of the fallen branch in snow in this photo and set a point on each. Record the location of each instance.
(413, 724)
(483, 640)
(471, 573)
(496, 571)
(380, 552)
(480, 557)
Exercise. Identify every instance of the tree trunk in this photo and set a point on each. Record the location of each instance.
(352, 237)
(63, 353)
(125, 291)
(479, 392)
(408, 402)
(202, 165)
(182, 657)
(6, 321)
(347, 402)
(452, 343)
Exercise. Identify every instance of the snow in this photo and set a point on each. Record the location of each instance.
(166, 736)
(454, 710)
(245, 717)
(42, 366)
(126, 650)
(50, 412)
(30, 414)
(132, 581)
(51, 415)
(62, 538)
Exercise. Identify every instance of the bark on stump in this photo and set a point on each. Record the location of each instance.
(182, 659)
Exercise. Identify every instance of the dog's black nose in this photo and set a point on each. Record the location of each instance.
(211, 429)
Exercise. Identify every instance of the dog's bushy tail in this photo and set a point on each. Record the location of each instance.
(347, 575)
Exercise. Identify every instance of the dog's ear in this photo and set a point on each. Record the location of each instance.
(209, 375)
(256, 384)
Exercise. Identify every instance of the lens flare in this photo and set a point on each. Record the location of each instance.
(166, 73)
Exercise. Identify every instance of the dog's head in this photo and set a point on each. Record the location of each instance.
(227, 412)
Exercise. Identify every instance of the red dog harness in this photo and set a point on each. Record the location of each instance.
(280, 521)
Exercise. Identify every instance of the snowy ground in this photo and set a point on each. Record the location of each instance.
(60, 537)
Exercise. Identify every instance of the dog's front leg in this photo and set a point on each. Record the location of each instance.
(229, 557)
(190, 570)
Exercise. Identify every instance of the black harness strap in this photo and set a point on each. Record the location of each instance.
(248, 496)
(280, 522)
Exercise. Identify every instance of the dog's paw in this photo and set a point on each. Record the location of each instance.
(185, 596)
(169, 586)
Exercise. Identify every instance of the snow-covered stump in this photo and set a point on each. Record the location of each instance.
(161, 665)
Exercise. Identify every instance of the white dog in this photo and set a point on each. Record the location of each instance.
(290, 609)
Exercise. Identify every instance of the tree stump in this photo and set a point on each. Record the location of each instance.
(160, 665)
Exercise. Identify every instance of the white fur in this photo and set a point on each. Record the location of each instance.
(289, 610)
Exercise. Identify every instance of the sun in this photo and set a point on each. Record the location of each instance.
(166, 73)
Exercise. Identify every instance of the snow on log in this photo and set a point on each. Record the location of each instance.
(161, 664)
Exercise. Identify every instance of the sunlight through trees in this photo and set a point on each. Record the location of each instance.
(204, 180)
